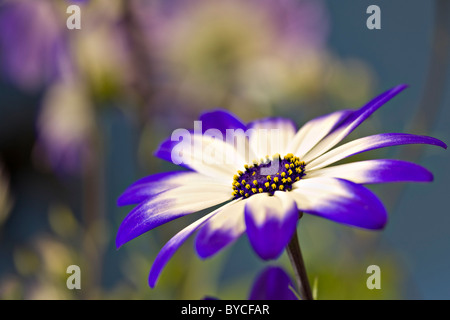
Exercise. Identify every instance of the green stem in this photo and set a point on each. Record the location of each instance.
(295, 255)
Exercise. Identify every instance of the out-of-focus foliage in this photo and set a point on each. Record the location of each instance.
(253, 57)
(5, 197)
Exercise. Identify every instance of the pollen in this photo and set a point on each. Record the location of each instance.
(288, 156)
(284, 172)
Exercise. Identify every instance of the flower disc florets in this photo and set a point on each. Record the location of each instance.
(268, 175)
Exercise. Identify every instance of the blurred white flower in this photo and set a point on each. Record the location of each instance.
(64, 125)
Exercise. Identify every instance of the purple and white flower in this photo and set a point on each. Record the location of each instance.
(267, 206)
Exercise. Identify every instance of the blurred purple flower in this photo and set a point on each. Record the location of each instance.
(273, 284)
(31, 42)
(304, 22)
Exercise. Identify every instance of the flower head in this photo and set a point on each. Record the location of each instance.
(291, 173)
(273, 284)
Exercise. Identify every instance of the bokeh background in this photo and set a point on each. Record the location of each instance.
(81, 112)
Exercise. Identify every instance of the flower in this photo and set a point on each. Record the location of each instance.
(32, 42)
(273, 284)
(267, 206)
(64, 126)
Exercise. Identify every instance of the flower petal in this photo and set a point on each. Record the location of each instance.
(351, 123)
(232, 129)
(221, 230)
(149, 186)
(375, 171)
(370, 143)
(341, 201)
(270, 136)
(165, 150)
(173, 244)
(217, 123)
(170, 205)
(273, 284)
(315, 130)
(270, 222)
(221, 120)
(210, 155)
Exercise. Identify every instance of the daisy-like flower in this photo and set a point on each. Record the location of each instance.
(273, 283)
(292, 172)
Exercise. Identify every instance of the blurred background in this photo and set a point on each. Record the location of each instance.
(82, 111)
